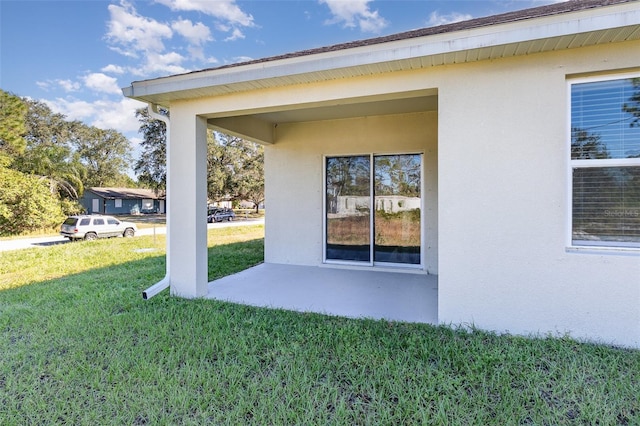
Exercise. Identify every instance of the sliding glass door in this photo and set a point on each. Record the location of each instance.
(348, 208)
(373, 206)
(397, 209)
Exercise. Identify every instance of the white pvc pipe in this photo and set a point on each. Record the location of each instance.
(166, 281)
(156, 288)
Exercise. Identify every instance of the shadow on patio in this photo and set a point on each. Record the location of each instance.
(395, 296)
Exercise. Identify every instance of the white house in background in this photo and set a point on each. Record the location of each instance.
(514, 131)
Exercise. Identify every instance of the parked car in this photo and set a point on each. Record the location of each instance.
(218, 215)
(90, 227)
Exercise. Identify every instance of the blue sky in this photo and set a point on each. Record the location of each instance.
(75, 55)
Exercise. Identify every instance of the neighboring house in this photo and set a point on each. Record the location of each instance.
(122, 201)
(516, 129)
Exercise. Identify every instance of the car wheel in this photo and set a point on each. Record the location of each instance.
(129, 232)
(90, 236)
(229, 219)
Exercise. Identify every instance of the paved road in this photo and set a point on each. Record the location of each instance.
(23, 243)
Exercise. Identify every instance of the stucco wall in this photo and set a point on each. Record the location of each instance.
(294, 172)
(504, 202)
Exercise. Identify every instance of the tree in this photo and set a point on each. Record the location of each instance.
(235, 169)
(151, 167)
(633, 107)
(13, 111)
(46, 161)
(26, 203)
(106, 154)
(223, 160)
(587, 145)
(397, 175)
(347, 176)
(234, 166)
(48, 153)
(250, 178)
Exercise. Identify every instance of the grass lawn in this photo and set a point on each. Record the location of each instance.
(79, 345)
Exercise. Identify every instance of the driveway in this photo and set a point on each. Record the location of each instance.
(23, 243)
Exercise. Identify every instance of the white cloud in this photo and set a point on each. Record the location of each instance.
(235, 35)
(68, 85)
(157, 63)
(114, 69)
(239, 59)
(44, 85)
(196, 52)
(436, 19)
(212, 60)
(131, 33)
(145, 39)
(101, 83)
(118, 115)
(196, 34)
(226, 10)
(355, 13)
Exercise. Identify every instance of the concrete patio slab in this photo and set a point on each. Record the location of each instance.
(395, 296)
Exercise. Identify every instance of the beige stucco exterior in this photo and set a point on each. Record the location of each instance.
(496, 180)
(508, 224)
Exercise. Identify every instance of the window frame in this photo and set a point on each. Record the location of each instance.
(599, 246)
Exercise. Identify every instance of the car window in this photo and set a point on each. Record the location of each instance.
(71, 221)
(112, 222)
(98, 221)
(85, 221)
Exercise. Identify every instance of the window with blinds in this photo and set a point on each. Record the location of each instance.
(605, 162)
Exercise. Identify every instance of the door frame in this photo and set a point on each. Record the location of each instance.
(372, 263)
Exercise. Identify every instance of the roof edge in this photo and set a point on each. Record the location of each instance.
(448, 38)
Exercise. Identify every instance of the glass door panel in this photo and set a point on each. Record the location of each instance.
(397, 208)
(348, 220)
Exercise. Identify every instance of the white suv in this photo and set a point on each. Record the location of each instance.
(91, 227)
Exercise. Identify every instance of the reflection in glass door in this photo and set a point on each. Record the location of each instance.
(397, 209)
(348, 208)
(393, 234)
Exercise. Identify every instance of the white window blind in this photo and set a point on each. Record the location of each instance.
(605, 161)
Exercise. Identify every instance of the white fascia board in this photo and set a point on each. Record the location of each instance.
(624, 15)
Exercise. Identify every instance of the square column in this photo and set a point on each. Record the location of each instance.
(187, 204)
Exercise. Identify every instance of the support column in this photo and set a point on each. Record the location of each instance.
(187, 199)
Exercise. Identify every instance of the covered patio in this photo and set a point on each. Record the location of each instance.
(394, 296)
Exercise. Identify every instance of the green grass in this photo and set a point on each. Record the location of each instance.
(78, 345)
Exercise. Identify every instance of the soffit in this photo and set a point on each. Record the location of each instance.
(359, 109)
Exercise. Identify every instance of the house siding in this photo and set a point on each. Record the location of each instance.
(108, 205)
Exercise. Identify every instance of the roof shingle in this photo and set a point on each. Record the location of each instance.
(126, 193)
(518, 15)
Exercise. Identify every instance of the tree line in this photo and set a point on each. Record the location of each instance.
(235, 167)
(47, 161)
